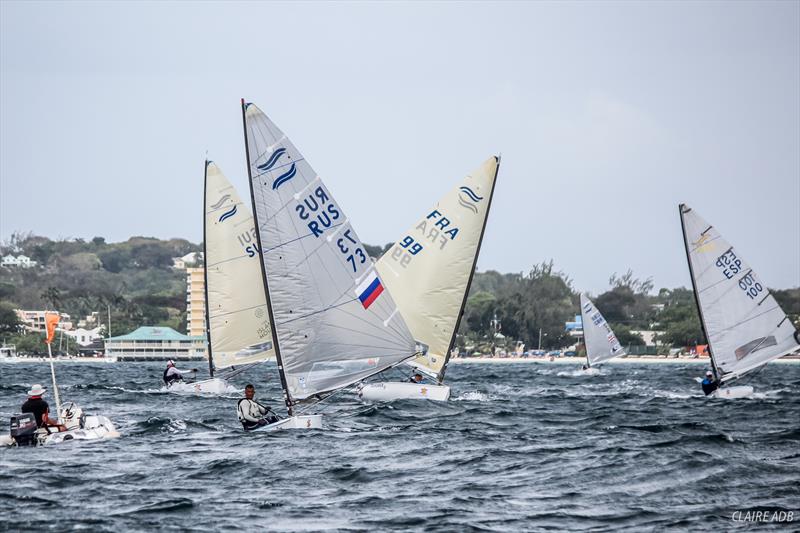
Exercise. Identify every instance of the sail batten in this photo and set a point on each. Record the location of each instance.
(429, 270)
(236, 320)
(744, 331)
(601, 343)
(330, 331)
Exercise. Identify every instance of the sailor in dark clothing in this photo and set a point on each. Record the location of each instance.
(416, 378)
(709, 384)
(40, 409)
(172, 374)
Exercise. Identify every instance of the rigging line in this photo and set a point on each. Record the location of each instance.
(395, 331)
(236, 311)
(212, 265)
(309, 314)
(737, 324)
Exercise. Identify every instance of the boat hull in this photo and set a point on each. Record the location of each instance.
(296, 422)
(732, 393)
(94, 428)
(206, 386)
(391, 391)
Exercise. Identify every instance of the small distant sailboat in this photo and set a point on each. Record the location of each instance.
(601, 343)
(237, 320)
(79, 425)
(333, 321)
(429, 272)
(744, 325)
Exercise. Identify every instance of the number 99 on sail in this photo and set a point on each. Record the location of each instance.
(405, 250)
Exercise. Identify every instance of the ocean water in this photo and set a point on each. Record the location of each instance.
(520, 447)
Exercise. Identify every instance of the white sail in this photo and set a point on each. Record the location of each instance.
(237, 308)
(601, 343)
(429, 270)
(335, 322)
(745, 326)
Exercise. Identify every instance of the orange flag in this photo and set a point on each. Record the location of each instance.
(51, 321)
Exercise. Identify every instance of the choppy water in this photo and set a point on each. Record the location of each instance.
(519, 447)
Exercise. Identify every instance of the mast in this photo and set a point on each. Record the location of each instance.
(694, 290)
(284, 385)
(583, 328)
(205, 270)
(460, 315)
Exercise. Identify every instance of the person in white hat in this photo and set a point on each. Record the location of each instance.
(709, 384)
(172, 374)
(39, 408)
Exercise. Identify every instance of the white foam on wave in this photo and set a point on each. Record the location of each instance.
(472, 396)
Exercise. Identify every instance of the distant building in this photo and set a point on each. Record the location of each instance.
(34, 320)
(574, 328)
(156, 344)
(195, 301)
(20, 261)
(189, 260)
(85, 337)
(90, 320)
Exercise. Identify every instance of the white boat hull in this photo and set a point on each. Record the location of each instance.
(206, 386)
(732, 393)
(390, 391)
(296, 422)
(94, 428)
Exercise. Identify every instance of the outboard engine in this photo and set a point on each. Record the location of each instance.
(23, 429)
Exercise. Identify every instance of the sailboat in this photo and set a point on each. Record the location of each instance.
(429, 271)
(79, 425)
(601, 343)
(334, 323)
(237, 323)
(743, 323)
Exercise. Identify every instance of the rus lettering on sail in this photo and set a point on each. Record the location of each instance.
(317, 211)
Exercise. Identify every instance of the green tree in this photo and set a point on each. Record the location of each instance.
(9, 321)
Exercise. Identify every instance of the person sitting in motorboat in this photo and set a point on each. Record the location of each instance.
(36, 405)
(172, 374)
(251, 413)
(416, 378)
(709, 384)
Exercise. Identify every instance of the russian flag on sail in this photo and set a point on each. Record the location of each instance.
(369, 289)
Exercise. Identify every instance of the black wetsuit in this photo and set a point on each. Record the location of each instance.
(709, 386)
(38, 407)
(169, 380)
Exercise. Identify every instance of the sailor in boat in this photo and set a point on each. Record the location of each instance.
(40, 409)
(585, 367)
(251, 413)
(709, 384)
(172, 374)
(416, 378)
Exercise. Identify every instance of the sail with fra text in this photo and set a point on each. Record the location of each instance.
(329, 334)
(746, 327)
(430, 268)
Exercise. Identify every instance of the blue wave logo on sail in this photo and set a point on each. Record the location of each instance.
(272, 161)
(228, 214)
(467, 198)
(221, 201)
(283, 178)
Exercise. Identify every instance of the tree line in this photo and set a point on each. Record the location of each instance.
(136, 282)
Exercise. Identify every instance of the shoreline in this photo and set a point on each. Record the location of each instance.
(582, 360)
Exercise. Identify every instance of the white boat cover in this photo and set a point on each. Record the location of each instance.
(237, 308)
(336, 322)
(428, 271)
(746, 327)
(601, 343)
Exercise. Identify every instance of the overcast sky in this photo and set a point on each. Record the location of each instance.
(607, 116)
